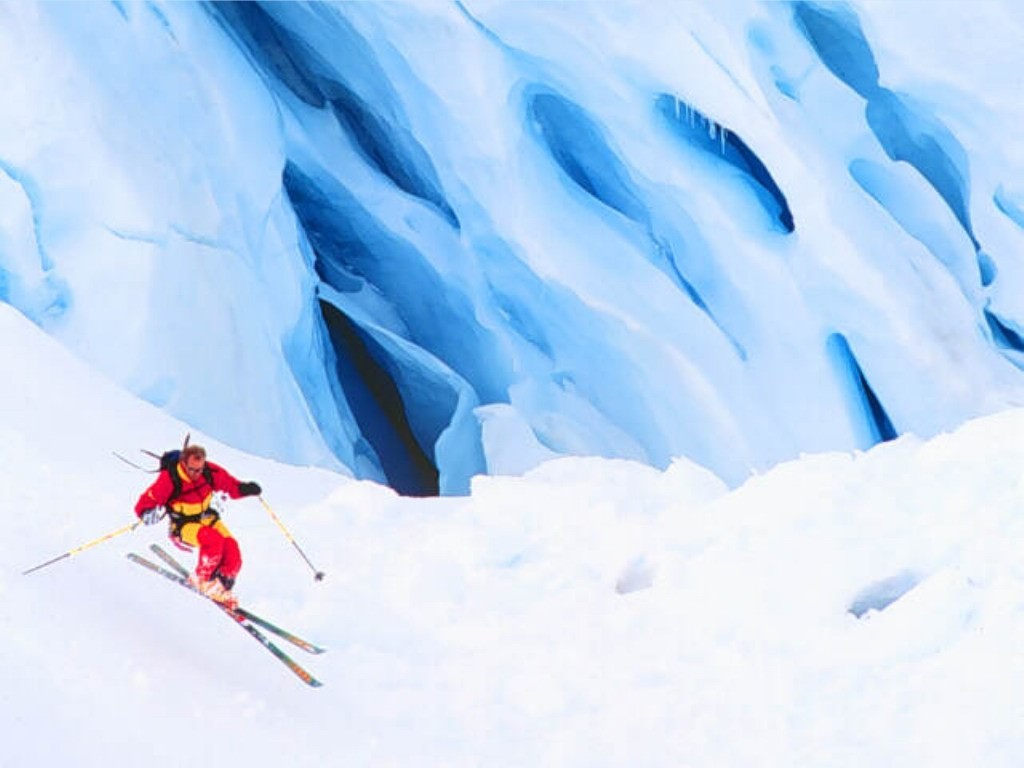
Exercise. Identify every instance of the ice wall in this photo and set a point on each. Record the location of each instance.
(425, 241)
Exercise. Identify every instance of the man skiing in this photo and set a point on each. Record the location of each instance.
(185, 493)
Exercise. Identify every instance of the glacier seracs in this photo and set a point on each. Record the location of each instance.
(425, 241)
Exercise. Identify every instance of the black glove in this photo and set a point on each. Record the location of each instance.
(152, 515)
(249, 489)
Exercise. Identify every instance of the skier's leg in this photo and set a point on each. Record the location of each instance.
(211, 552)
(230, 563)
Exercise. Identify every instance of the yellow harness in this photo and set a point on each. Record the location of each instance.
(187, 517)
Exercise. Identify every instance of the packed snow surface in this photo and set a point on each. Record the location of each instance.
(842, 609)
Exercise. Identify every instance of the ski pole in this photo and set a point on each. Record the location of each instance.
(84, 547)
(317, 575)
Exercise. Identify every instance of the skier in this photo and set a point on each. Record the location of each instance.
(188, 493)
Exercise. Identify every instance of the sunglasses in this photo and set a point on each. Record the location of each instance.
(194, 470)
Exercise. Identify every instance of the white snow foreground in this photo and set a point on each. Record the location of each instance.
(592, 613)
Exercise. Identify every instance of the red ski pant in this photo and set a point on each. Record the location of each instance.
(218, 553)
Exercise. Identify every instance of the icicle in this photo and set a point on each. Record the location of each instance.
(677, 109)
(721, 133)
(711, 128)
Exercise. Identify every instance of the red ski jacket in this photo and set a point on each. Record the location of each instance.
(195, 494)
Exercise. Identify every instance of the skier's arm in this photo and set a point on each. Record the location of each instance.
(229, 484)
(156, 495)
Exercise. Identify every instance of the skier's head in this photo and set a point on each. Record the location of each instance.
(193, 459)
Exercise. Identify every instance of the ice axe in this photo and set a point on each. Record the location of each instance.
(317, 575)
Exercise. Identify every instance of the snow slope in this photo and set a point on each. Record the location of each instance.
(592, 613)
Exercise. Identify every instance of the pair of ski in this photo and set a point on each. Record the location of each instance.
(249, 621)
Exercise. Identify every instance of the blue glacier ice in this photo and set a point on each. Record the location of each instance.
(417, 242)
